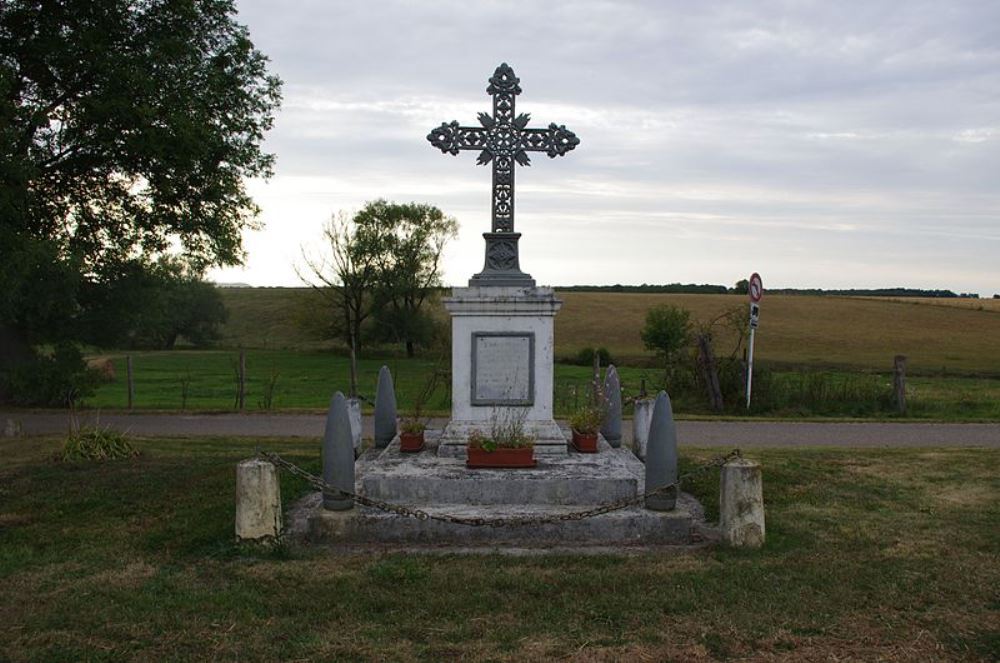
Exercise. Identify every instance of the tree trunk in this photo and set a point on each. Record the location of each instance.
(409, 349)
(710, 372)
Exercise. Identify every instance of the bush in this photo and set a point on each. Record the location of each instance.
(667, 330)
(95, 444)
(585, 357)
(58, 380)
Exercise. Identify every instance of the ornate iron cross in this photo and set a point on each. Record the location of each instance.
(503, 139)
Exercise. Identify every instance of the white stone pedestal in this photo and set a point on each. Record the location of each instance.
(502, 364)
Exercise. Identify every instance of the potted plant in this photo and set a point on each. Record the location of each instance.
(411, 429)
(506, 445)
(585, 423)
(411, 434)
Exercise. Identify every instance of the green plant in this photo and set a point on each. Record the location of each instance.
(587, 419)
(585, 357)
(60, 379)
(97, 444)
(412, 426)
(506, 432)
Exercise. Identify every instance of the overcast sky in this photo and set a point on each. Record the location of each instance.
(822, 144)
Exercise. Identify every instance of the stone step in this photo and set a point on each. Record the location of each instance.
(626, 527)
(573, 479)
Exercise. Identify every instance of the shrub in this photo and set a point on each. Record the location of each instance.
(585, 357)
(96, 444)
(60, 379)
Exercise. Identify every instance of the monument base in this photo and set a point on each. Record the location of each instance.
(549, 438)
(441, 486)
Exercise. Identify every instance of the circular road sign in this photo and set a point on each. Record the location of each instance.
(756, 288)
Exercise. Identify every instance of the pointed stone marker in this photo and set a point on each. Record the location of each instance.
(385, 409)
(661, 455)
(611, 427)
(642, 415)
(338, 455)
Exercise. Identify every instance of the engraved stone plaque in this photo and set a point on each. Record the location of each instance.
(503, 368)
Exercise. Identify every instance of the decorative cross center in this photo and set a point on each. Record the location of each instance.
(503, 139)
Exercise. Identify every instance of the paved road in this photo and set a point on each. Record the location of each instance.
(693, 433)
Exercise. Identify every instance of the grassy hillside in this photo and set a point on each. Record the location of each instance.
(959, 335)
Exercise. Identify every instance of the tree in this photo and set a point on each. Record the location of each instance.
(411, 240)
(151, 307)
(667, 331)
(127, 130)
(383, 262)
(347, 276)
(742, 287)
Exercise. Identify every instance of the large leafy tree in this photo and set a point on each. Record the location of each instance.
(127, 129)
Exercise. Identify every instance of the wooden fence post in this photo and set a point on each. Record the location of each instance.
(242, 387)
(899, 382)
(129, 379)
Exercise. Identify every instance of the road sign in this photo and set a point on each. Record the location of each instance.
(756, 288)
(754, 315)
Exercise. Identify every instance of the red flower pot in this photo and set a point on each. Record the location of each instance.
(585, 442)
(520, 457)
(411, 442)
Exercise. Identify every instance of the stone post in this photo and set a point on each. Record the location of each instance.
(661, 456)
(640, 426)
(338, 455)
(611, 427)
(385, 409)
(258, 500)
(741, 504)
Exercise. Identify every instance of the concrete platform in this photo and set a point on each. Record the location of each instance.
(441, 486)
(427, 478)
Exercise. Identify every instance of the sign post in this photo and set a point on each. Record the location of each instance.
(756, 290)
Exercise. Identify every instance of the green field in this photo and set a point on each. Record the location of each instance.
(871, 555)
(811, 331)
(306, 379)
(809, 364)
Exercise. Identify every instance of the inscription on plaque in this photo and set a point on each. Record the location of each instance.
(503, 368)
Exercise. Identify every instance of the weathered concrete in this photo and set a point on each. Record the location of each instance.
(569, 479)
(633, 526)
(741, 504)
(258, 500)
(661, 455)
(611, 426)
(498, 311)
(643, 415)
(12, 428)
(385, 423)
(338, 455)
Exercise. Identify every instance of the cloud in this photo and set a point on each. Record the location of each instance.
(812, 141)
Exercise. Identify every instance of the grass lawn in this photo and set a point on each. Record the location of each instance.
(306, 379)
(871, 554)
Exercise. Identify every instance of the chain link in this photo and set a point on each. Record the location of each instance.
(520, 521)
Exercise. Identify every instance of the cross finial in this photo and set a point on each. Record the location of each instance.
(503, 139)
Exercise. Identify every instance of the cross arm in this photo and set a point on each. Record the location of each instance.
(450, 138)
(555, 140)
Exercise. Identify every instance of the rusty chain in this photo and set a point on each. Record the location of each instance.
(520, 521)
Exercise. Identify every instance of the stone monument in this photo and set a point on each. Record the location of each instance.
(502, 323)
